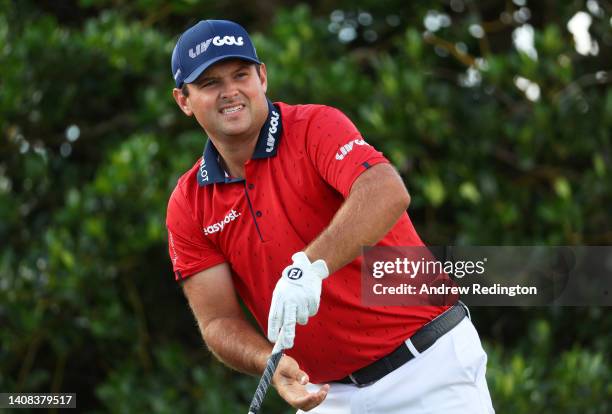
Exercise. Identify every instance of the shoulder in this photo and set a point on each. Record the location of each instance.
(185, 190)
(306, 112)
(310, 121)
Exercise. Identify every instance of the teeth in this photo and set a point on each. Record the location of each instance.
(232, 109)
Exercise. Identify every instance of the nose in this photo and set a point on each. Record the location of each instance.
(229, 91)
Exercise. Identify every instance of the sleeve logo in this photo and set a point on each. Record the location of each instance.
(346, 148)
(174, 254)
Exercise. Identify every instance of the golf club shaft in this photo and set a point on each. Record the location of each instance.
(266, 378)
(264, 382)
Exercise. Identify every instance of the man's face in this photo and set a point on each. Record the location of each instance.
(228, 99)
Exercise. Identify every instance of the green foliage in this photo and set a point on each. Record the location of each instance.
(92, 145)
(576, 381)
(178, 384)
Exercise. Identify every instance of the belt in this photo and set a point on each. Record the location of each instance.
(422, 339)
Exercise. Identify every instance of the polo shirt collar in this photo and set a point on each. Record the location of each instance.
(211, 172)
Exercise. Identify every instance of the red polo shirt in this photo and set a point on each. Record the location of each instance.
(305, 162)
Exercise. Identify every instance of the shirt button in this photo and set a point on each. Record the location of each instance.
(258, 214)
(251, 186)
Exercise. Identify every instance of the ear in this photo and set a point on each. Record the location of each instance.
(263, 76)
(182, 101)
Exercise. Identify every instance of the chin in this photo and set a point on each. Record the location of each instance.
(235, 131)
(237, 128)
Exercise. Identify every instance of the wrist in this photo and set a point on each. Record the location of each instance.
(318, 267)
(261, 360)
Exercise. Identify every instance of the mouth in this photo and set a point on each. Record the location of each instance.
(232, 109)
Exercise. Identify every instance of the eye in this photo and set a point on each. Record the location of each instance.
(207, 83)
(241, 75)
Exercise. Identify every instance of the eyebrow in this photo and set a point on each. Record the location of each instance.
(243, 66)
(203, 78)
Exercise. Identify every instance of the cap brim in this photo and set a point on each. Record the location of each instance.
(200, 69)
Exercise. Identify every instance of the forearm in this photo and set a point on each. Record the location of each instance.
(377, 200)
(237, 344)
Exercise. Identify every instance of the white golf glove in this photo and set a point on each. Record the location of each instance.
(296, 297)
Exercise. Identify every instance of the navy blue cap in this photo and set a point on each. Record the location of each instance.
(207, 43)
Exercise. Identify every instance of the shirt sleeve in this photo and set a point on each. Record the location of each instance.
(190, 251)
(337, 149)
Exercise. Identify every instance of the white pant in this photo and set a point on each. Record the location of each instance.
(449, 377)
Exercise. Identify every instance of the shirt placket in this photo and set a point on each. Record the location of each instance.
(249, 192)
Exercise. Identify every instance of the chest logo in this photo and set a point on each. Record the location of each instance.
(218, 226)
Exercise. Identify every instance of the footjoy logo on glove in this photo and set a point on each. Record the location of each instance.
(213, 228)
(216, 41)
(294, 273)
(346, 148)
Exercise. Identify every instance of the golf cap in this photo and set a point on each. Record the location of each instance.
(207, 43)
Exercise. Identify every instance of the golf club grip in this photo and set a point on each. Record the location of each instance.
(264, 382)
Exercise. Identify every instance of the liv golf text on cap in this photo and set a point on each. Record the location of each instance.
(206, 43)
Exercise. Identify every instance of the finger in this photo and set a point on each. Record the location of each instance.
(289, 320)
(313, 306)
(302, 315)
(311, 400)
(287, 370)
(302, 377)
(274, 320)
(290, 373)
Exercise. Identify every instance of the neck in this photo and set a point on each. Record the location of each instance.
(236, 150)
(235, 153)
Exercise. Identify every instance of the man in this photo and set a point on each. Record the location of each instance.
(276, 212)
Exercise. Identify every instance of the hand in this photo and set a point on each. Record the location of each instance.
(290, 382)
(296, 297)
